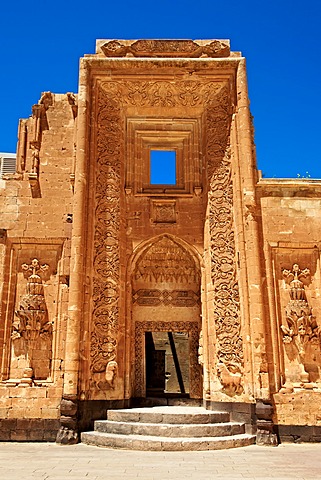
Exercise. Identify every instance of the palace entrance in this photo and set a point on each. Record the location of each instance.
(166, 319)
(167, 363)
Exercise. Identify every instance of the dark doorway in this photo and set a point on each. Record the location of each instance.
(167, 363)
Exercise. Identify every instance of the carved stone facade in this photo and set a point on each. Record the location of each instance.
(96, 291)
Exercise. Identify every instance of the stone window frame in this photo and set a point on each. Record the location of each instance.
(146, 134)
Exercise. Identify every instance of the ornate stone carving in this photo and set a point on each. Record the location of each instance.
(226, 306)
(111, 373)
(32, 326)
(195, 372)
(301, 325)
(166, 261)
(231, 381)
(106, 241)
(164, 211)
(214, 97)
(166, 48)
(176, 298)
(162, 93)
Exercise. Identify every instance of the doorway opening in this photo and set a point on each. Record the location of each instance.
(167, 364)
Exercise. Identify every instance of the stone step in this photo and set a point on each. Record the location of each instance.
(151, 443)
(170, 430)
(166, 414)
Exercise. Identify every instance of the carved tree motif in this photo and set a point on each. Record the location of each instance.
(32, 322)
(301, 327)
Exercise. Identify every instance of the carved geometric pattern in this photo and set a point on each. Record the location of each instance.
(164, 212)
(176, 298)
(195, 371)
(166, 48)
(221, 224)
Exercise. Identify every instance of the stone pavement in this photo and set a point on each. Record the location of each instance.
(48, 461)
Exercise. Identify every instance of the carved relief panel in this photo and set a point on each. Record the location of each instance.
(297, 281)
(33, 313)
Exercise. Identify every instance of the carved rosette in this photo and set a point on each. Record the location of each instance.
(222, 243)
(106, 240)
(195, 372)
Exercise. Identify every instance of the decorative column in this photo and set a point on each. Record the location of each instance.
(68, 433)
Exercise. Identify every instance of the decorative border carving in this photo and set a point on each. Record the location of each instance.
(176, 298)
(229, 345)
(195, 370)
(106, 240)
(162, 93)
(166, 48)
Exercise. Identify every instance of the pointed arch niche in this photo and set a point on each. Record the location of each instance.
(165, 297)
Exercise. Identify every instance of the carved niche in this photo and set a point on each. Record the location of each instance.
(300, 330)
(166, 262)
(226, 306)
(31, 328)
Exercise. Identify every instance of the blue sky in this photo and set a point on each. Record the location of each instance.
(42, 41)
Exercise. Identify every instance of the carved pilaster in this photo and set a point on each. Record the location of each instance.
(226, 306)
(106, 241)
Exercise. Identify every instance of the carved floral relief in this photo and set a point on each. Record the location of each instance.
(106, 240)
(222, 249)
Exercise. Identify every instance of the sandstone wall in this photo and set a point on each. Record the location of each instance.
(291, 236)
(36, 214)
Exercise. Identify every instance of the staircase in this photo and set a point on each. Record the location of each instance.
(168, 428)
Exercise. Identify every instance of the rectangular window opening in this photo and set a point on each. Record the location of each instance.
(163, 167)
